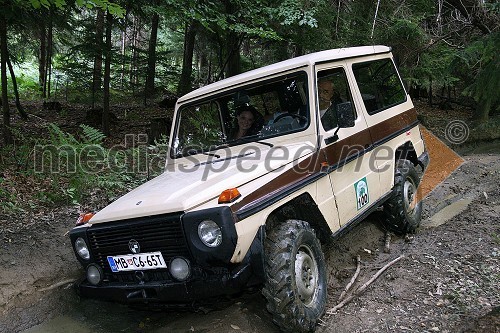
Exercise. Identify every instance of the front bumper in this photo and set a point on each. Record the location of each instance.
(169, 291)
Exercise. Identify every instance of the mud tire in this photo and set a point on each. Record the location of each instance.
(398, 217)
(295, 304)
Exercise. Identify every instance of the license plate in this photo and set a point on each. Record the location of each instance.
(136, 262)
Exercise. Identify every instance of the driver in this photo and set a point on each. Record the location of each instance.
(328, 99)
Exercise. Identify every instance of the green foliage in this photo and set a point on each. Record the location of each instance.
(494, 7)
(92, 135)
(60, 138)
(66, 160)
(28, 86)
(434, 67)
(291, 12)
(113, 8)
(8, 200)
(84, 167)
(483, 62)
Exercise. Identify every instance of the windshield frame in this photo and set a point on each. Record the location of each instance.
(301, 74)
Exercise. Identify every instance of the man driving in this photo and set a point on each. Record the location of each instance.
(328, 99)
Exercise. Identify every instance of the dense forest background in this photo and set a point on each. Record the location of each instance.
(97, 54)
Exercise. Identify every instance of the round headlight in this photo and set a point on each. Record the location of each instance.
(82, 249)
(94, 275)
(210, 233)
(179, 268)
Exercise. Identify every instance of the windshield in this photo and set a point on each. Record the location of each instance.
(251, 113)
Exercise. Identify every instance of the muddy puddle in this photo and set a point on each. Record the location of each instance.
(245, 314)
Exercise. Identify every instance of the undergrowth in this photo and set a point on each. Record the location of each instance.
(67, 168)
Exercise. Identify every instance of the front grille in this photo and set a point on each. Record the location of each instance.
(155, 233)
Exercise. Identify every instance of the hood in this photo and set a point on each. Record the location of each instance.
(186, 185)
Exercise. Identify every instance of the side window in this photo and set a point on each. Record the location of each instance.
(379, 84)
(334, 96)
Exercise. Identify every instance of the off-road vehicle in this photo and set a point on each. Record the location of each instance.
(263, 168)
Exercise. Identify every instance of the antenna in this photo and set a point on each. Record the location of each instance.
(374, 19)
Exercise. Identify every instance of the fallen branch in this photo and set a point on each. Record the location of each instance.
(57, 285)
(364, 286)
(353, 279)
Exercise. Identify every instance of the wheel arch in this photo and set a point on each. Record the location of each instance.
(406, 151)
(304, 208)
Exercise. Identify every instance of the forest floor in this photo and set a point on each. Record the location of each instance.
(448, 280)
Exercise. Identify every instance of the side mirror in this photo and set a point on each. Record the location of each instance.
(345, 115)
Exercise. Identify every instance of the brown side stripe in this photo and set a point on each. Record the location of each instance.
(314, 167)
(385, 129)
(300, 172)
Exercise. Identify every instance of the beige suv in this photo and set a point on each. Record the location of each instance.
(262, 169)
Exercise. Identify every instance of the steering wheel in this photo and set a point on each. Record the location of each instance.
(292, 115)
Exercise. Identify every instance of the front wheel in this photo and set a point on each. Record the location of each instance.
(402, 215)
(296, 281)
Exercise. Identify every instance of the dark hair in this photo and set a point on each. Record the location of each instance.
(258, 120)
(247, 108)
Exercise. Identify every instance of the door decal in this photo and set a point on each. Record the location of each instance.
(362, 197)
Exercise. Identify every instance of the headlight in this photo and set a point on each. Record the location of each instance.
(82, 249)
(94, 274)
(210, 233)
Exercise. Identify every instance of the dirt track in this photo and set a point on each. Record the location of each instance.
(447, 282)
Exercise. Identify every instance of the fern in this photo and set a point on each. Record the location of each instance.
(58, 137)
(92, 135)
(84, 173)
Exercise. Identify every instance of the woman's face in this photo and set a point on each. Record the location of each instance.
(245, 120)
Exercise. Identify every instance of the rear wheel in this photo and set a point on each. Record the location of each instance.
(295, 286)
(401, 214)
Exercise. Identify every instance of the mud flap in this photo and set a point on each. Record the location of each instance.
(255, 256)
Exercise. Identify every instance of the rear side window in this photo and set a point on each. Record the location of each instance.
(379, 84)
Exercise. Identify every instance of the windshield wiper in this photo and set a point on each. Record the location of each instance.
(211, 154)
(265, 143)
(248, 139)
(192, 152)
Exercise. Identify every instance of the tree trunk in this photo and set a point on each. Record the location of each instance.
(482, 111)
(187, 60)
(149, 87)
(133, 62)
(97, 73)
(281, 50)
(42, 58)
(231, 44)
(107, 74)
(203, 67)
(122, 52)
(233, 54)
(430, 92)
(16, 92)
(7, 134)
(48, 65)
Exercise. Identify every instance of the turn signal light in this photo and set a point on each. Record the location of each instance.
(229, 195)
(84, 218)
